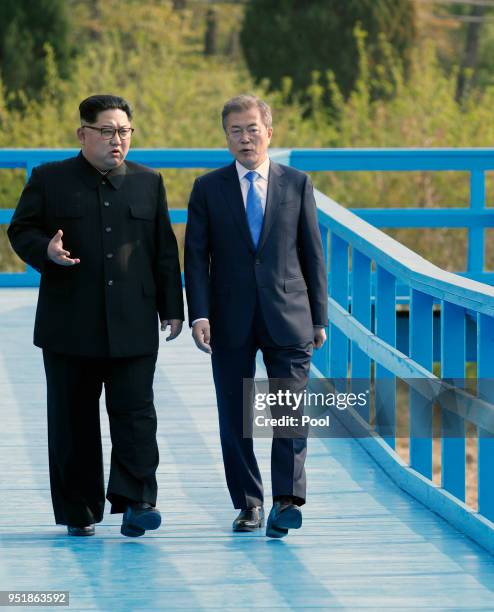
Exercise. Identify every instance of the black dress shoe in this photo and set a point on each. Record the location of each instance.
(138, 518)
(249, 519)
(88, 530)
(284, 515)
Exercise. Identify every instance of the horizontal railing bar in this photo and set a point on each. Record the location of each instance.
(393, 159)
(19, 279)
(177, 215)
(447, 218)
(475, 410)
(401, 261)
(155, 158)
(304, 159)
(377, 349)
(420, 217)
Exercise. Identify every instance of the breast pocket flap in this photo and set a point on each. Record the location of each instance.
(295, 284)
(141, 212)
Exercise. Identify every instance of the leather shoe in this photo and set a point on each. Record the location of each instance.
(88, 530)
(249, 519)
(138, 518)
(284, 515)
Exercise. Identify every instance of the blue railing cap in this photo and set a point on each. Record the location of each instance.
(395, 159)
(156, 158)
(401, 261)
(335, 159)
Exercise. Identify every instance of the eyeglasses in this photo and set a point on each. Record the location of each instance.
(252, 130)
(107, 133)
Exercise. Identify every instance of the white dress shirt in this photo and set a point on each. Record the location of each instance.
(261, 184)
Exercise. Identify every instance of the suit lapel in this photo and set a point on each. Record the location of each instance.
(235, 202)
(276, 189)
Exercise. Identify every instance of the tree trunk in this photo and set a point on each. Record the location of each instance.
(470, 56)
(211, 32)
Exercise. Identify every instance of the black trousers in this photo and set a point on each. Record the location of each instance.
(74, 386)
(230, 367)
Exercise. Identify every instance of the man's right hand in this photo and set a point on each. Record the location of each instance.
(57, 253)
(201, 332)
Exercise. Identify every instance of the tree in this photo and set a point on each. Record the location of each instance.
(211, 34)
(26, 27)
(293, 38)
(470, 54)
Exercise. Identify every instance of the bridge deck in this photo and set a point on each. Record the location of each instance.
(364, 543)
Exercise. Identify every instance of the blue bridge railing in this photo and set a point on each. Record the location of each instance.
(474, 216)
(370, 275)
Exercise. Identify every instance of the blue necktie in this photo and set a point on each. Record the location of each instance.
(253, 208)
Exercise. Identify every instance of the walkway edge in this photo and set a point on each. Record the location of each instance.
(437, 499)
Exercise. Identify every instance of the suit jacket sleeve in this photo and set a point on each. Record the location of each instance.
(312, 257)
(26, 230)
(168, 278)
(197, 254)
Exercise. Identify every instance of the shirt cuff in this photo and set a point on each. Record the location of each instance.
(200, 319)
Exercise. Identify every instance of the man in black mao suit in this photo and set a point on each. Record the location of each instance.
(98, 230)
(256, 280)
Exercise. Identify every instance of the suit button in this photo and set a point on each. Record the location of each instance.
(108, 229)
(109, 255)
(258, 261)
(103, 182)
(106, 204)
(110, 283)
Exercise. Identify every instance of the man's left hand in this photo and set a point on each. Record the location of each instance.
(319, 337)
(175, 328)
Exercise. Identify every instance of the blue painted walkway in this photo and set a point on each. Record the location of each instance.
(364, 545)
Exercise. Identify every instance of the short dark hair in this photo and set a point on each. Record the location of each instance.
(246, 102)
(91, 107)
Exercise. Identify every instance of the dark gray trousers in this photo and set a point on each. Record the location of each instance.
(230, 367)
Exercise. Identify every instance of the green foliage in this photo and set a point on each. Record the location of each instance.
(293, 38)
(422, 113)
(156, 60)
(26, 28)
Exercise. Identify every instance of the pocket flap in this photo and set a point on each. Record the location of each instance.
(295, 284)
(142, 212)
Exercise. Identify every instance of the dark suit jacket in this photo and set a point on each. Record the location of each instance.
(225, 275)
(118, 225)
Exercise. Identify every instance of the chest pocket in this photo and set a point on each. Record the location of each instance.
(289, 203)
(137, 211)
(72, 209)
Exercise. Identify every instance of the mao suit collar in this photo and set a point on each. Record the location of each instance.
(93, 177)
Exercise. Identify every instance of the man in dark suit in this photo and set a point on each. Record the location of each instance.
(98, 230)
(256, 280)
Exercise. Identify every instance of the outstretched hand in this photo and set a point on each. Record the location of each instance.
(57, 253)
